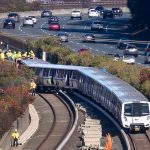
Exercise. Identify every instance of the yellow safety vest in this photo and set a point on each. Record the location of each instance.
(15, 135)
(32, 85)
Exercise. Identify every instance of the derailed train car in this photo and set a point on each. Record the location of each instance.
(123, 101)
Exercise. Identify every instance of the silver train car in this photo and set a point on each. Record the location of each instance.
(123, 101)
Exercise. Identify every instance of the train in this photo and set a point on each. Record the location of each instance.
(128, 106)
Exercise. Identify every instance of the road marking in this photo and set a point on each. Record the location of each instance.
(111, 47)
(71, 42)
(78, 43)
(84, 27)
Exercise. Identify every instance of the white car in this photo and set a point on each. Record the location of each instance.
(128, 59)
(93, 13)
(76, 14)
(34, 19)
(28, 21)
(97, 25)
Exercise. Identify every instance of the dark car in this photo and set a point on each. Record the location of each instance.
(100, 9)
(89, 37)
(9, 23)
(46, 13)
(108, 14)
(54, 26)
(53, 19)
(147, 58)
(122, 43)
(147, 49)
(14, 16)
(117, 11)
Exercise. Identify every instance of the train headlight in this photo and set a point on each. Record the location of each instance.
(148, 117)
(125, 118)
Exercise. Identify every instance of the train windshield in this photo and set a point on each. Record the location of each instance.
(136, 109)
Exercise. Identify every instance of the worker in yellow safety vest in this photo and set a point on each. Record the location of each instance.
(2, 56)
(33, 87)
(31, 54)
(24, 55)
(15, 136)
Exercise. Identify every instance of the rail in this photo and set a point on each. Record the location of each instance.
(75, 120)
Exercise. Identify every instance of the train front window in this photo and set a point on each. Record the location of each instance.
(128, 110)
(136, 109)
(144, 109)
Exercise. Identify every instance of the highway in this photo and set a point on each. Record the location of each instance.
(105, 40)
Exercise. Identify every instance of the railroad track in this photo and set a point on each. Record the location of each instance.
(61, 123)
(58, 118)
(139, 141)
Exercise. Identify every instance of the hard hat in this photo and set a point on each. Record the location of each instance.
(15, 130)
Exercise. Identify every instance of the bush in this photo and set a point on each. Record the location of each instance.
(137, 77)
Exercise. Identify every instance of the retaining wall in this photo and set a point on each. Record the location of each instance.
(21, 124)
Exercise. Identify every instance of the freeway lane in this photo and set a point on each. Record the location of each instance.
(105, 40)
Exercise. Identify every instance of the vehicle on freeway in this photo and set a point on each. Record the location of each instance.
(14, 16)
(88, 37)
(9, 23)
(76, 14)
(128, 59)
(100, 9)
(131, 50)
(117, 11)
(82, 50)
(93, 13)
(63, 37)
(122, 43)
(97, 25)
(108, 14)
(28, 21)
(116, 57)
(33, 18)
(127, 105)
(90, 8)
(147, 58)
(46, 13)
(53, 19)
(54, 26)
(147, 49)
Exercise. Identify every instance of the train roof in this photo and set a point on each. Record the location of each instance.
(124, 91)
(38, 63)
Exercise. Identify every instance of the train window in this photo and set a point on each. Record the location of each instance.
(46, 72)
(128, 110)
(61, 73)
(144, 109)
(52, 72)
(74, 75)
(37, 72)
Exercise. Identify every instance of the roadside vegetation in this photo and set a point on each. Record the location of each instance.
(139, 77)
(14, 93)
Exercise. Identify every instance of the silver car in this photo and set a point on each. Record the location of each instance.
(97, 25)
(63, 37)
(28, 21)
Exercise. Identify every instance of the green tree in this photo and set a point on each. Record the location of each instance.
(140, 12)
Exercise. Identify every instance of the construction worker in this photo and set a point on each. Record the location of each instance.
(31, 55)
(2, 56)
(33, 87)
(24, 55)
(15, 136)
(9, 55)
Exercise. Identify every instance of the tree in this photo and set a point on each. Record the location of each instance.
(140, 12)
